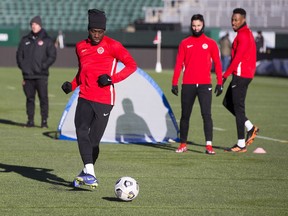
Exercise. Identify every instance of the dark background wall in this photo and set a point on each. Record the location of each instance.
(140, 44)
(145, 57)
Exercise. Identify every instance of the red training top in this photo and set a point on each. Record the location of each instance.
(96, 60)
(194, 57)
(243, 55)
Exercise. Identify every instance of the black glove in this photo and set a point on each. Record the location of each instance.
(174, 90)
(218, 90)
(67, 87)
(104, 80)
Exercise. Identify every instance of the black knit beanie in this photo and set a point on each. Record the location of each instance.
(96, 19)
(36, 19)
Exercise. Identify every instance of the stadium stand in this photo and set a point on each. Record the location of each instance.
(261, 14)
(71, 15)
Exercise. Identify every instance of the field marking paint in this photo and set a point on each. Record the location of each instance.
(272, 139)
(219, 129)
(11, 87)
(260, 137)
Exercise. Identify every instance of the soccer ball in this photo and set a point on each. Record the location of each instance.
(126, 188)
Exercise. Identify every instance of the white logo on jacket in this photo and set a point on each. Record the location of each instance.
(40, 42)
(100, 50)
(205, 46)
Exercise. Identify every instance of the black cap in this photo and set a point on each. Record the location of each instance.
(36, 19)
(96, 19)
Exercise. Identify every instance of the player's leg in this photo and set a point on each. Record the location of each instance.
(205, 101)
(98, 126)
(42, 89)
(228, 100)
(99, 120)
(188, 95)
(251, 129)
(83, 118)
(30, 92)
(239, 93)
(239, 87)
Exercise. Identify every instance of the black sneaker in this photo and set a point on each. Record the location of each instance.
(44, 124)
(251, 134)
(30, 124)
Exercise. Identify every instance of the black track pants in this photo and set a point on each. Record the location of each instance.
(91, 119)
(234, 101)
(30, 87)
(188, 96)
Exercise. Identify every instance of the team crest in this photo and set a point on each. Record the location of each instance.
(100, 50)
(40, 42)
(204, 46)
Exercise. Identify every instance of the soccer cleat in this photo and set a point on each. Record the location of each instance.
(236, 148)
(85, 179)
(209, 150)
(251, 134)
(75, 182)
(182, 148)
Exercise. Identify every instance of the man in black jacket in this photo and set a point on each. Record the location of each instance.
(35, 54)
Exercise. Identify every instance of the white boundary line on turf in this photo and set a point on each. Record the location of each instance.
(219, 129)
(258, 136)
(272, 139)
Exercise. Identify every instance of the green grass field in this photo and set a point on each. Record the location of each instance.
(36, 170)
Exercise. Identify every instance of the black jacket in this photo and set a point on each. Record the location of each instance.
(35, 55)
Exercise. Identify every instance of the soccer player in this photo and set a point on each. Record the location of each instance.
(35, 54)
(97, 57)
(194, 58)
(242, 66)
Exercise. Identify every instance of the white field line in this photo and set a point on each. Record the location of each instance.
(260, 137)
(219, 129)
(272, 139)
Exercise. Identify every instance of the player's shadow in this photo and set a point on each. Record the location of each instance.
(130, 126)
(35, 173)
(203, 145)
(113, 199)
(50, 134)
(9, 122)
(18, 124)
(170, 147)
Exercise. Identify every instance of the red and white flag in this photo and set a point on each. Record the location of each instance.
(157, 39)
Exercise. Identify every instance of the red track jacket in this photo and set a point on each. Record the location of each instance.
(194, 57)
(243, 55)
(95, 60)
